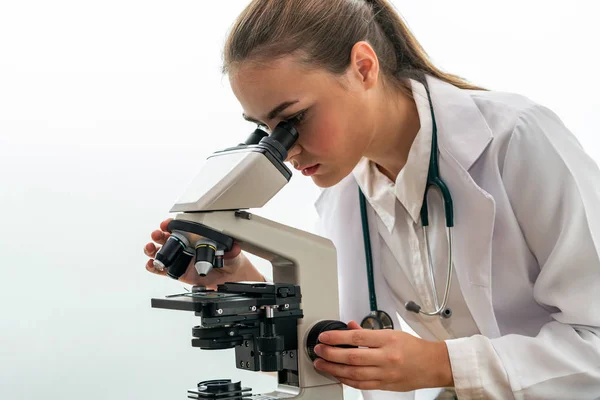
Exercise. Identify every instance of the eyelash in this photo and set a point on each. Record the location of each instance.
(296, 119)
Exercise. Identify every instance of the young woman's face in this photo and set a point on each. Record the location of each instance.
(332, 119)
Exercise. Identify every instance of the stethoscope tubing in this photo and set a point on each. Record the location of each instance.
(439, 309)
(433, 180)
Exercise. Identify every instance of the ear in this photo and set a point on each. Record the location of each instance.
(364, 65)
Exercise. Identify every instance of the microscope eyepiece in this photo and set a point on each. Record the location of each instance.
(281, 140)
(255, 137)
(170, 251)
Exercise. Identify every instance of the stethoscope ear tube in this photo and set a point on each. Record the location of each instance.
(415, 308)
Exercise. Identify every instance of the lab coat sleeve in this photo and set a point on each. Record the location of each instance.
(554, 190)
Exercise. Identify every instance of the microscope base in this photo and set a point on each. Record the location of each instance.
(282, 392)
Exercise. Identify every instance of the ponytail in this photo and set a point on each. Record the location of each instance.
(323, 33)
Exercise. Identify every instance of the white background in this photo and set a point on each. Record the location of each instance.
(108, 109)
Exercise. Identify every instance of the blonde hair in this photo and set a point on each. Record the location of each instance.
(323, 32)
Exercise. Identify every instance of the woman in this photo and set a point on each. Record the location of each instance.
(525, 322)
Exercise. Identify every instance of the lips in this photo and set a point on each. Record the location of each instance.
(306, 169)
(310, 170)
(303, 167)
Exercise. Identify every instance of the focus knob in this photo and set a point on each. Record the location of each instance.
(323, 326)
(270, 356)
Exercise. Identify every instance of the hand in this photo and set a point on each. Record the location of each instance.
(385, 360)
(237, 266)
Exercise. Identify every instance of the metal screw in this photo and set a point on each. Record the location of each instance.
(286, 306)
(242, 364)
(291, 354)
(246, 343)
(247, 364)
(219, 311)
(231, 333)
(253, 308)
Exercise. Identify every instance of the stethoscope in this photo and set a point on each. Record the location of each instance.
(378, 319)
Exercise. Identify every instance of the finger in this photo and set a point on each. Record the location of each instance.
(354, 325)
(150, 250)
(356, 337)
(355, 373)
(362, 385)
(160, 237)
(340, 355)
(164, 224)
(234, 252)
(150, 268)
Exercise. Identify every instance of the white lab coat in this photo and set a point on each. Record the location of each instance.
(526, 248)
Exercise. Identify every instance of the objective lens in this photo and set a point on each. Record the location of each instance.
(169, 252)
(205, 256)
(180, 265)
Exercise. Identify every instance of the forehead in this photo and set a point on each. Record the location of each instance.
(260, 87)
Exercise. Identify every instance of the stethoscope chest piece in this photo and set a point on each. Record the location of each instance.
(377, 320)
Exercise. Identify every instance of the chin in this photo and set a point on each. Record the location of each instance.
(326, 180)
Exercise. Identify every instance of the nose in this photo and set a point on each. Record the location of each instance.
(293, 152)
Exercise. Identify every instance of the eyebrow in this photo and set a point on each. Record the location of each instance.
(273, 113)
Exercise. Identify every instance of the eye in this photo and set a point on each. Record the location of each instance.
(298, 118)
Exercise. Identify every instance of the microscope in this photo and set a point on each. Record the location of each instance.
(273, 326)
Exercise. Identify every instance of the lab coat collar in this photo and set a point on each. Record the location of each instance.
(462, 129)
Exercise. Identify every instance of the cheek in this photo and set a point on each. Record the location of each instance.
(330, 136)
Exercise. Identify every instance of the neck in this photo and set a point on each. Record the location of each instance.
(397, 126)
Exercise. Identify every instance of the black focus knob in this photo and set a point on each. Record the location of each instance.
(271, 362)
(270, 353)
(323, 326)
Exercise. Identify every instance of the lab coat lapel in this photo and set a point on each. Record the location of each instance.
(474, 212)
(463, 135)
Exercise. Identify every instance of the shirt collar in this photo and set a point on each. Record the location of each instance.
(378, 190)
(412, 179)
